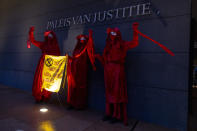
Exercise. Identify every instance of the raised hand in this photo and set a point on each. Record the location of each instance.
(135, 26)
(108, 30)
(31, 29)
(90, 32)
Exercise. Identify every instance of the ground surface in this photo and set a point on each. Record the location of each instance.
(19, 112)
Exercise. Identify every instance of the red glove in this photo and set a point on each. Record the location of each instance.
(135, 26)
(31, 29)
(108, 30)
(90, 33)
(28, 44)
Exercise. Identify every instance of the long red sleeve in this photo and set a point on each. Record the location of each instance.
(135, 41)
(32, 39)
(90, 50)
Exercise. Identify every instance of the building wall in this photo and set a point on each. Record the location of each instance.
(157, 82)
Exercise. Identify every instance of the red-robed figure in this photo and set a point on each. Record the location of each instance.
(113, 59)
(77, 71)
(49, 47)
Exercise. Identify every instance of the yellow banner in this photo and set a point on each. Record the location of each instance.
(53, 72)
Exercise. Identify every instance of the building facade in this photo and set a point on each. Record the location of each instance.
(158, 84)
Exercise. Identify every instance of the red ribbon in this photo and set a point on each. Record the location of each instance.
(78, 55)
(162, 46)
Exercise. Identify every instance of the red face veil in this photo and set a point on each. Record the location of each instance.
(82, 39)
(113, 34)
(50, 37)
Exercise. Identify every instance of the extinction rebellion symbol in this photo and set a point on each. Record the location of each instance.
(49, 62)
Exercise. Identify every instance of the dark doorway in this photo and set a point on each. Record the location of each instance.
(193, 74)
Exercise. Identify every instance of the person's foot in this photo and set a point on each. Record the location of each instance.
(80, 109)
(38, 101)
(45, 99)
(126, 124)
(106, 118)
(70, 107)
(114, 120)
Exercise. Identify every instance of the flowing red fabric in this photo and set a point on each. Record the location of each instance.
(162, 46)
(77, 72)
(48, 47)
(113, 59)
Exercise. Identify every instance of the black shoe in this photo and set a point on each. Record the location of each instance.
(106, 118)
(126, 124)
(38, 101)
(114, 120)
(80, 109)
(70, 108)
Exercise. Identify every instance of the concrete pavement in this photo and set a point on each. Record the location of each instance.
(19, 112)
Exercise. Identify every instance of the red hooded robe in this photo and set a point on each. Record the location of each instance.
(48, 47)
(77, 72)
(113, 59)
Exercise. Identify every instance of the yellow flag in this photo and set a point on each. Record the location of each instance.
(53, 72)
